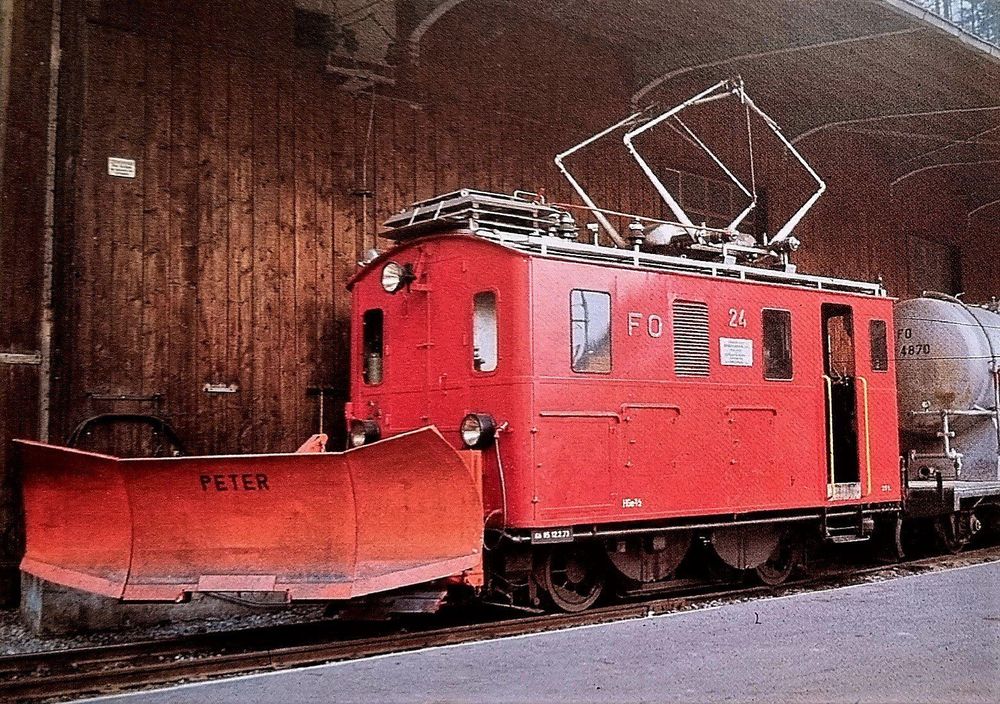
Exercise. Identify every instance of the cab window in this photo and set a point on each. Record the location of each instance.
(484, 331)
(590, 331)
(372, 346)
(777, 344)
(838, 340)
(878, 331)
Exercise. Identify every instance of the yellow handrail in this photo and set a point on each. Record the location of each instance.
(868, 441)
(829, 433)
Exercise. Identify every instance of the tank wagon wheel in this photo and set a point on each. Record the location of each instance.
(780, 565)
(573, 576)
(948, 534)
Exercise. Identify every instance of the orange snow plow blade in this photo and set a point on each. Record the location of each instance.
(399, 512)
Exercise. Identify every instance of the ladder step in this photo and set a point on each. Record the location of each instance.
(848, 538)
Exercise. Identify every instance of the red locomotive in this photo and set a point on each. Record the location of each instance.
(688, 382)
(626, 401)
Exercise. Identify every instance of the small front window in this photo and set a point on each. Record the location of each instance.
(777, 344)
(484, 331)
(590, 322)
(372, 346)
(878, 331)
(838, 344)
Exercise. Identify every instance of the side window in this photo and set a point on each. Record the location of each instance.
(691, 356)
(484, 331)
(590, 331)
(371, 346)
(878, 331)
(777, 344)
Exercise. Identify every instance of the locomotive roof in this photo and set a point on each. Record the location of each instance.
(532, 228)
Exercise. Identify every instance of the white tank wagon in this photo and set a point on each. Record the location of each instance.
(948, 369)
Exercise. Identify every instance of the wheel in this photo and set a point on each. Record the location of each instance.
(573, 576)
(744, 547)
(780, 565)
(650, 559)
(948, 535)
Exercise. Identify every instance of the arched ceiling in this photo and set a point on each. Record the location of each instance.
(924, 93)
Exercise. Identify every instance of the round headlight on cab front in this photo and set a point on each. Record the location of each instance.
(393, 277)
(478, 430)
(364, 432)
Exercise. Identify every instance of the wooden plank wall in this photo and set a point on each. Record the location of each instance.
(980, 261)
(217, 262)
(22, 219)
(225, 260)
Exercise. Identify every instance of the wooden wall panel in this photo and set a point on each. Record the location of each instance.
(19, 410)
(240, 329)
(22, 189)
(182, 247)
(154, 335)
(346, 234)
(265, 397)
(22, 232)
(286, 364)
(225, 260)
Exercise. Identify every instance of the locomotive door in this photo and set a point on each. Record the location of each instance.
(409, 340)
(449, 359)
(840, 381)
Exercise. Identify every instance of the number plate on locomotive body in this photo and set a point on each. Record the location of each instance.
(552, 535)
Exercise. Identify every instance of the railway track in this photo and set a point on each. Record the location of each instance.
(115, 668)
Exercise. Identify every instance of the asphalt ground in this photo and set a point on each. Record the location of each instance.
(927, 638)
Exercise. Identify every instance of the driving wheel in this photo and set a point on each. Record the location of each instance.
(573, 576)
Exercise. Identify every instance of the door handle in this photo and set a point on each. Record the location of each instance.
(868, 440)
(829, 434)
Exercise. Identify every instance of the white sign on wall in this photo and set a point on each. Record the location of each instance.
(121, 168)
(736, 352)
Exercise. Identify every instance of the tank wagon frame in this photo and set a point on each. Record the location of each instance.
(949, 390)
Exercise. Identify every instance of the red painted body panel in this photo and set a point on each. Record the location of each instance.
(639, 443)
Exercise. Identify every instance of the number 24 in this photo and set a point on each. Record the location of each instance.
(737, 318)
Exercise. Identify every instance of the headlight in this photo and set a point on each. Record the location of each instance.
(396, 276)
(364, 432)
(478, 430)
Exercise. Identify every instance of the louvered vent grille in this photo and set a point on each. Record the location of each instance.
(690, 338)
